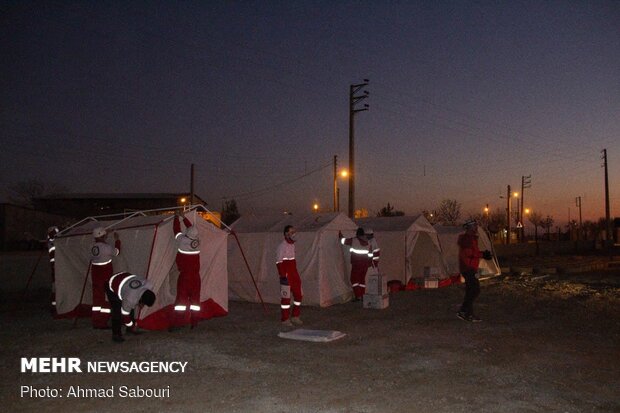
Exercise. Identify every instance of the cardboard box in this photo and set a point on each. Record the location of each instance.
(376, 284)
(431, 283)
(378, 302)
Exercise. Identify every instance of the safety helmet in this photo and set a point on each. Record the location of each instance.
(192, 232)
(52, 230)
(99, 232)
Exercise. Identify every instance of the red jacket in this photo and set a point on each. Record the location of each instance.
(469, 253)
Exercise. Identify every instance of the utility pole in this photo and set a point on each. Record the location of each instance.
(353, 100)
(578, 205)
(191, 186)
(508, 195)
(336, 206)
(526, 182)
(608, 234)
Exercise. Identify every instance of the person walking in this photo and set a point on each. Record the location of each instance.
(101, 260)
(469, 260)
(361, 259)
(126, 292)
(187, 303)
(290, 281)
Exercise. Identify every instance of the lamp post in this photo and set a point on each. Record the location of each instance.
(343, 173)
(518, 217)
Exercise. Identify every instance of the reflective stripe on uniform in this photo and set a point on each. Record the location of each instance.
(180, 307)
(189, 252)
(297, 303)
(361, 252)
(120, 286)
(194, 307)
(102, 263)
(129, 324)
(105, 310)
(96, 308)
(285, 306)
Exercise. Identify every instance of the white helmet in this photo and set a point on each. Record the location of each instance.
(53, 229)
(99, 232)
(192, 232)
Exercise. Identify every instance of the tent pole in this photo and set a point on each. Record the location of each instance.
(148, 267)
(250, 271)
(36, 265)
(81, 295)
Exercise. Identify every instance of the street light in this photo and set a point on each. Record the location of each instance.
(315, 207)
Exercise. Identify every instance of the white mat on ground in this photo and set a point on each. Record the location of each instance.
(321, 336)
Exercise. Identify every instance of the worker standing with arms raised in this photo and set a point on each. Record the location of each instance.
(101, 260)
(187, 303)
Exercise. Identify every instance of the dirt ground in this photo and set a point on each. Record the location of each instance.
(548, 344)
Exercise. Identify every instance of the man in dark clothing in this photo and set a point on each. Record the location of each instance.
(469, 259)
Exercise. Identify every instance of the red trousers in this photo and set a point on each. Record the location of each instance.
(101, 310)
(358, 277)
(187, 303)
(292, 280)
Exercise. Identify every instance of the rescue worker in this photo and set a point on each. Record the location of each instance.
(374, 247)
(187, 303)
(469, 259)
(51, 252)
(290, 281)
(361, 259)
(125, 292)
(101, 260)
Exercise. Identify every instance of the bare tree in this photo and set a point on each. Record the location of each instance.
(388, 211)
(546, 224)
(22, 193)
(449, 212)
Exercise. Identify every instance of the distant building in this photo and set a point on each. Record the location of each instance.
(88, 205)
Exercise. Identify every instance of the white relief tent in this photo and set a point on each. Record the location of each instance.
(148, 249)
(409, 246)
(322, 262)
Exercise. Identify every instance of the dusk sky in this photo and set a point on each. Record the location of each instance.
(465, 98)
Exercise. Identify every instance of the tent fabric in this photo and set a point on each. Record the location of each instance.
(448, 237)
(322, 262)
(409, 247)
(148, 249)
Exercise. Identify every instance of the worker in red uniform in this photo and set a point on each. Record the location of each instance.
(125, 292)
(361, 259)
(101, 261)
(51, 253)
(187, 303)
(290, 281)
(469, 259)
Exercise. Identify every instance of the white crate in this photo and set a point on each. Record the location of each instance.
(376, 284)
(431, 283)
(378, 302)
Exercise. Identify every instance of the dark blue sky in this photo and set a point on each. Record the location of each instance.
(465, 98)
